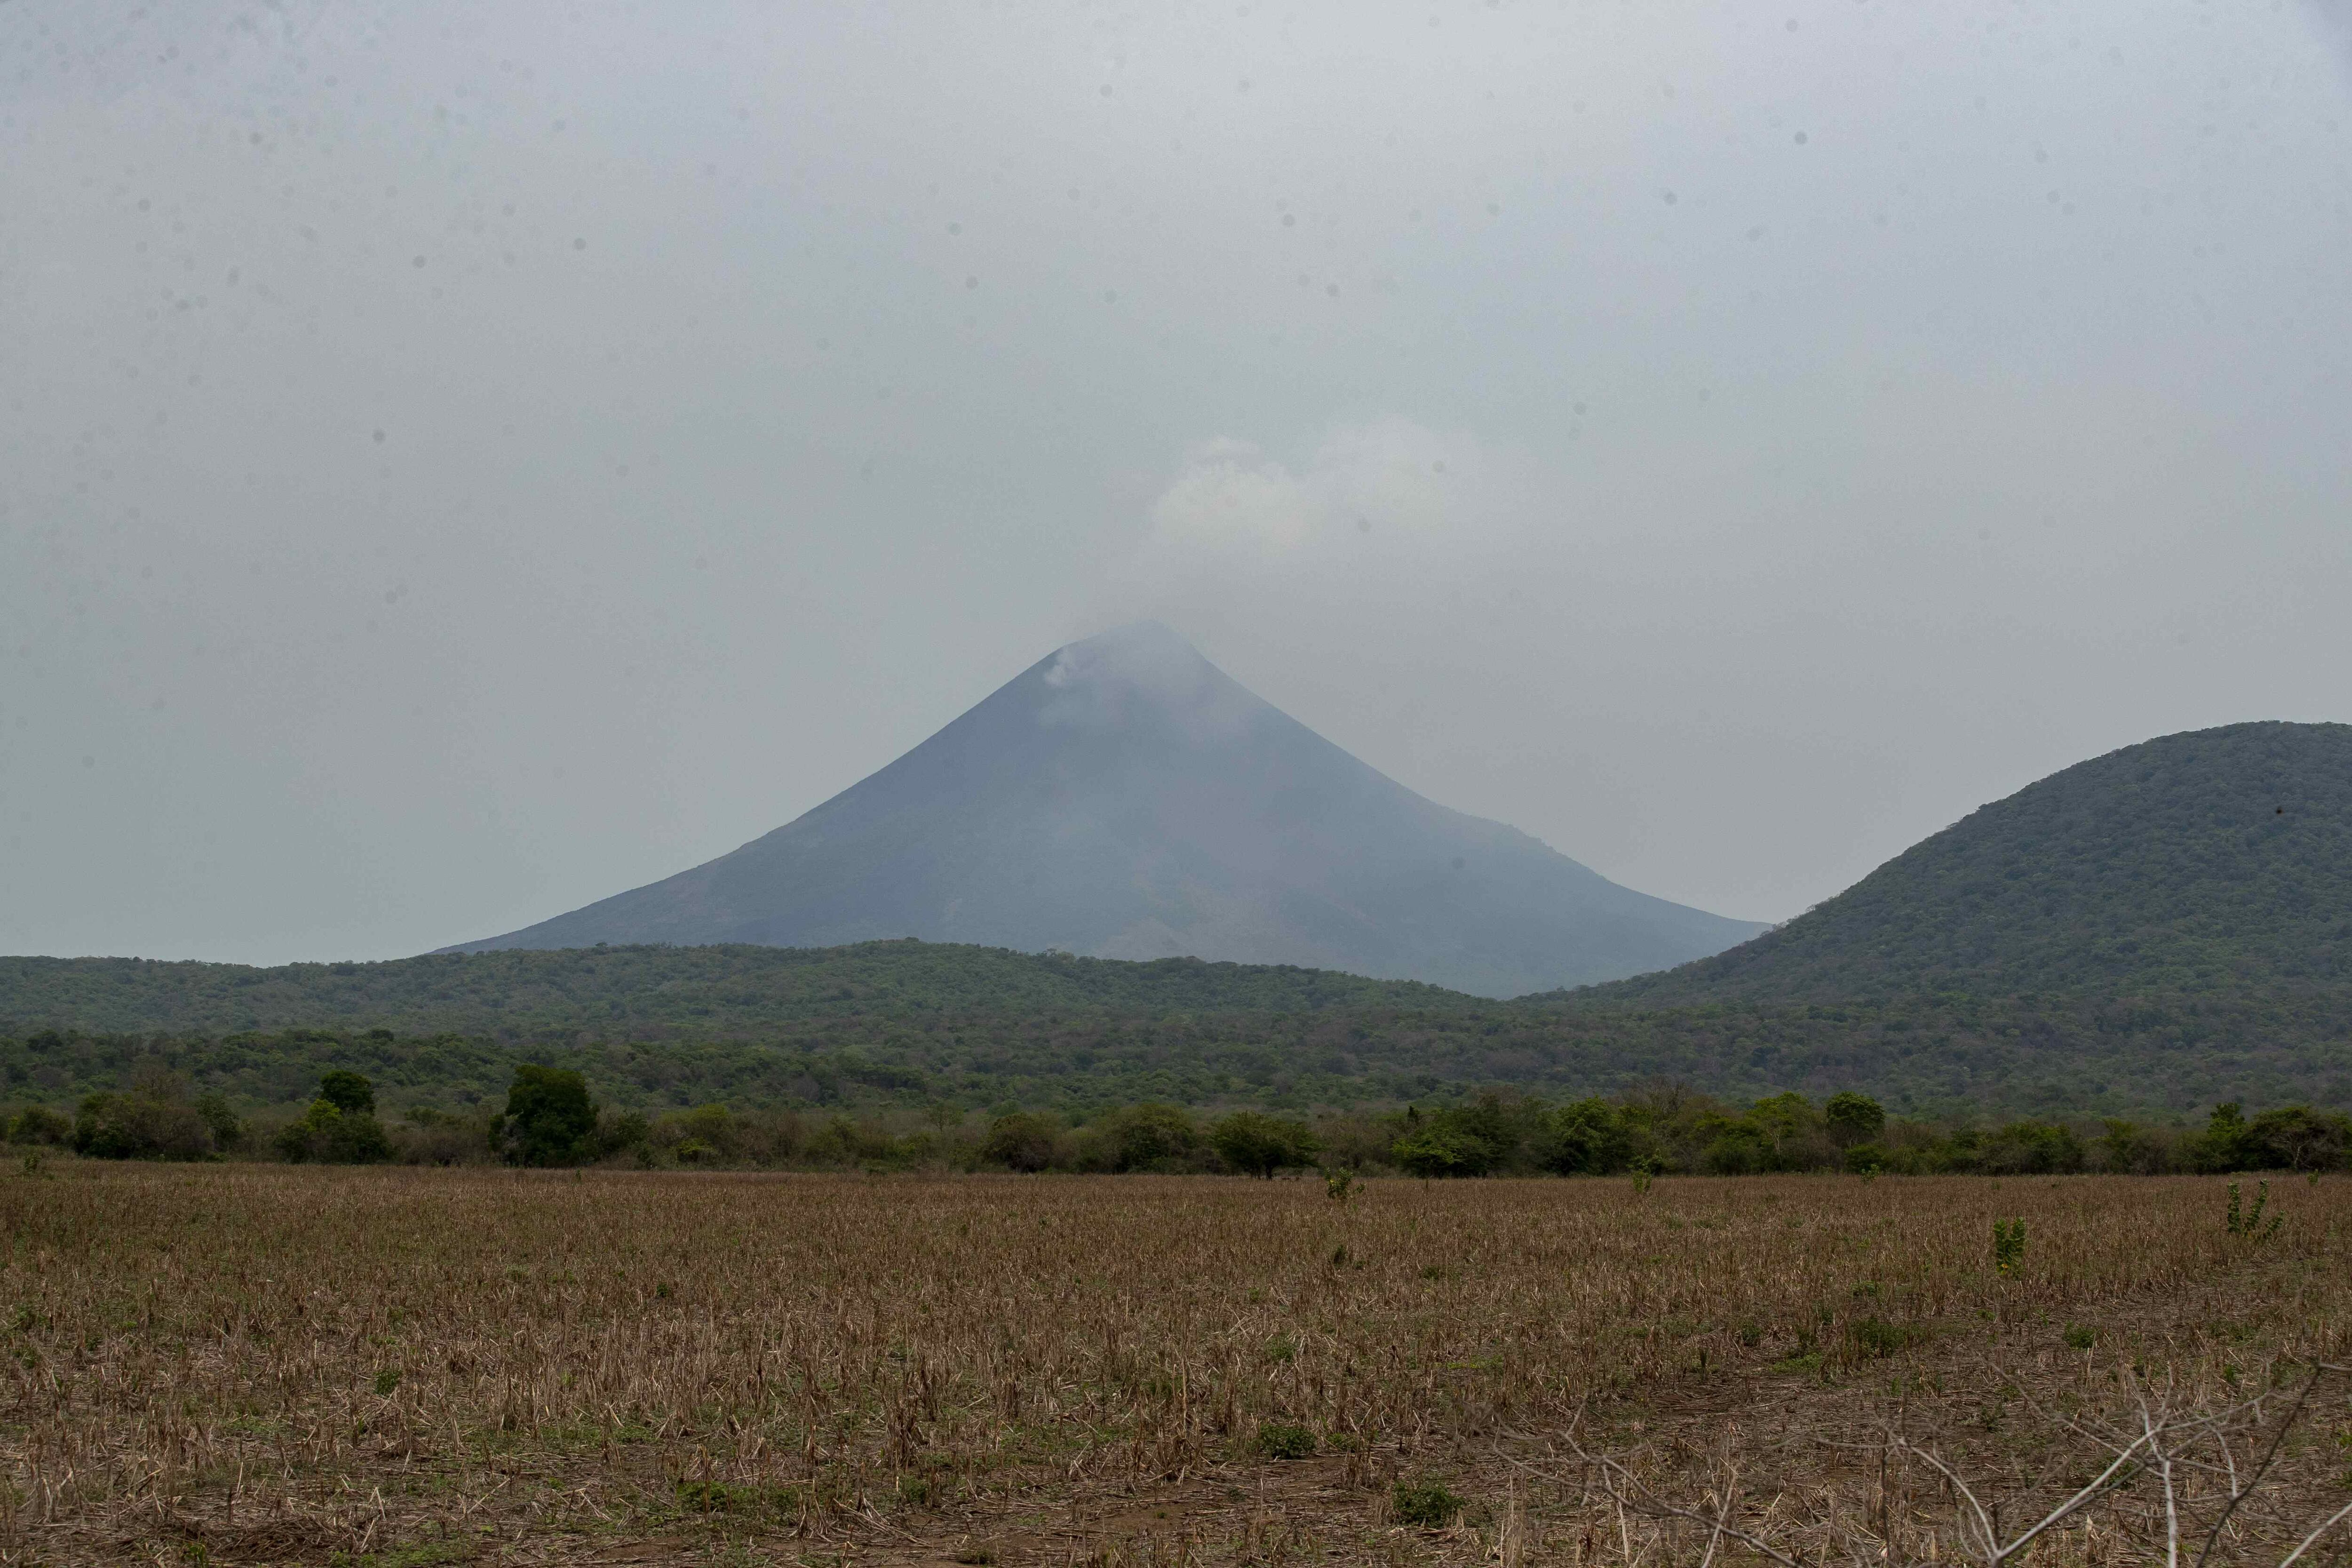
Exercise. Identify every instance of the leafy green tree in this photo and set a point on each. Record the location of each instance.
(327, 1134)
(2297, 1138)
(1439, 1147)
(1586, 1137)
(550, 1118)
(1854, 1119)
(2125, 1146)
(340, 1128)
(348, 1092)
(1255, 1145)
(221, 1121)
(2224, 1145)
(1021, 1140)
(1143, 1137)
(2031, 1148)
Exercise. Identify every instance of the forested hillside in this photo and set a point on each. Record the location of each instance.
(1919, 1055)
(633, 992)
(2153, 932)
(2215, 861)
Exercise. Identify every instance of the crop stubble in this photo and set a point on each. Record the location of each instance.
(251, 1364)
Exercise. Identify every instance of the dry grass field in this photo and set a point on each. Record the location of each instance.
(250, 1364)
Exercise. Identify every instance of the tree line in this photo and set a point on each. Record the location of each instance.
(550, 1117)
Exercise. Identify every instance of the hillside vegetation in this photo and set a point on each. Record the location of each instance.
(1930, 1056)
(624, 992)
(2215, 861)
(2155, 931)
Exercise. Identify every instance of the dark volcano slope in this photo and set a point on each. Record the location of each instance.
(1124, 798)
(2216, 861)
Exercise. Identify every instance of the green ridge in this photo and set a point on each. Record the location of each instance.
(622, 991)
(2215, 861)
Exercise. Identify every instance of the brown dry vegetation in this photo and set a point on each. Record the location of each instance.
(255, 1364)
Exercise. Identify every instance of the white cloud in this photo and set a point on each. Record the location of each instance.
(1389, 488)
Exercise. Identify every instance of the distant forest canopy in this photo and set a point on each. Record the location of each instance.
(2157, 1057)
(649, 992)
(550, 1117)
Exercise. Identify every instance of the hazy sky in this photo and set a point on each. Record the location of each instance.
(460, 461)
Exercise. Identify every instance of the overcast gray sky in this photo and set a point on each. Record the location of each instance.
(460, 461)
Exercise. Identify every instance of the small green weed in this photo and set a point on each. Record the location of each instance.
(386, 1382)
(1279, 1442)
(2248, 1223)
(1339, 1185)
(1877, 1337)
(2008, 1244)
(428, 1554)
(2080, 1337)
(717, 1497)
(1427, 1504)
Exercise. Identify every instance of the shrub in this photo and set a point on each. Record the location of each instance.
(1255, 1145)
(707, 1134)
(434, 1137)
(548, 1119)
(39, 1124)
(1425, 1503)
(152, 1119)
(617, 1132)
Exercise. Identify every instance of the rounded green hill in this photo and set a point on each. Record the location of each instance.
(2217, 859)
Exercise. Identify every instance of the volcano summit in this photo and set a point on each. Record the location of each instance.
(1125, 798)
